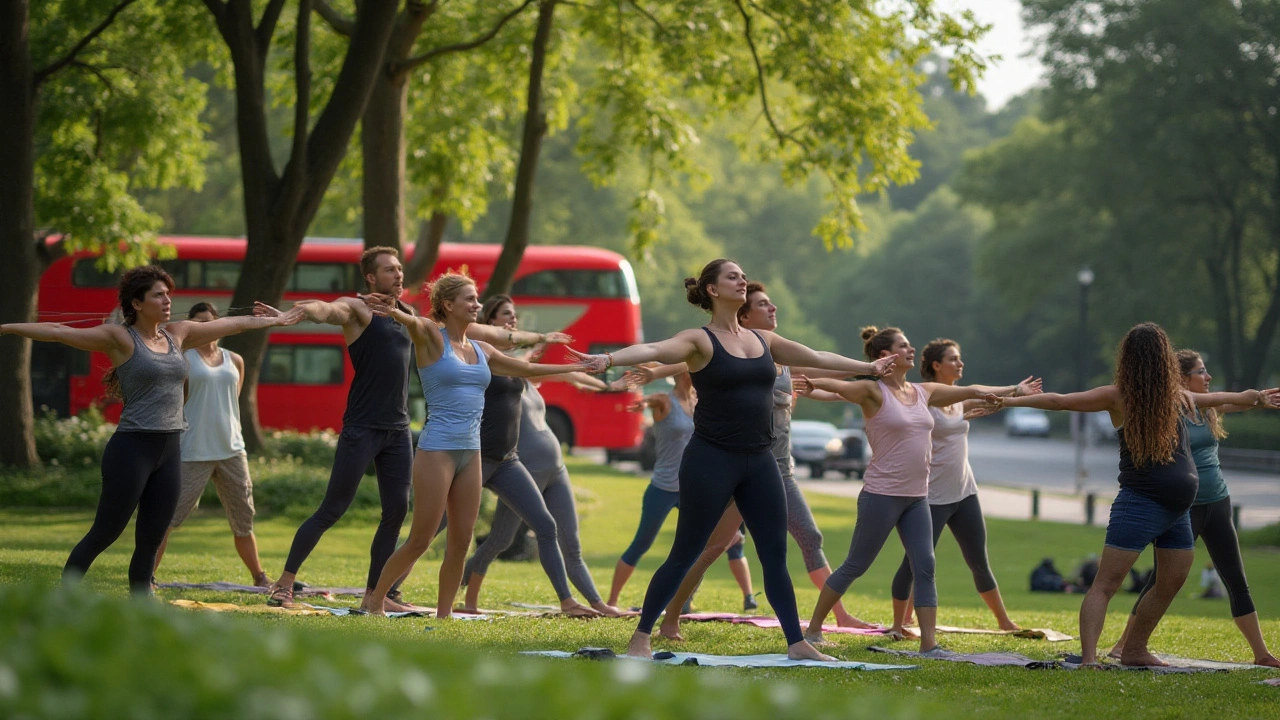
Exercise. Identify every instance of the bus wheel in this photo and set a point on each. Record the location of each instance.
(560, 426)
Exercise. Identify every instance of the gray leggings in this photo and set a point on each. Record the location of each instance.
(970, 530)
(800, 521)
(878, 515)
(557, 494)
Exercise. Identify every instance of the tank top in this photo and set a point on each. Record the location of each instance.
(902, 446)
(213, 410)
(1204, 453)
(782, 415)
(1172, 484)
(538, 447)
(670, 435)
(735, 399)
(151, 384)
(950, 476)
(454, 390)
(500, 426)
(379, 395)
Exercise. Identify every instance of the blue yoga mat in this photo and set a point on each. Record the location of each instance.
(764, 661)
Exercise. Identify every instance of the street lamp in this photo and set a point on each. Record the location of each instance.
(1084, 277)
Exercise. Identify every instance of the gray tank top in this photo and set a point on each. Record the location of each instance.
(670, 435)
(537, 447)
(151, 384)
(782, 415)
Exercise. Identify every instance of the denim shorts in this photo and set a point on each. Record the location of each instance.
(1138, 521)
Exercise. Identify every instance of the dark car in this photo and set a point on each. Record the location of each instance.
(857, 453)
(815, 444)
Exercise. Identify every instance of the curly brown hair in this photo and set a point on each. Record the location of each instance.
(932, 353)
(1149, 383)
(1187, 360)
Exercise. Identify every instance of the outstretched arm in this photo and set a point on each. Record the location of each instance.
(339, 312)
(1031, 386)
(854, 391)
(507, 339)
(789, 352)
(1098, 399)
(1248, 398)
(941, 395)
(515, 367)
(194, 334)
(102, 338)
(678, 349)
(583, 381)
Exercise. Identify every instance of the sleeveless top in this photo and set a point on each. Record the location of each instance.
(1204, 453)
(950, 476)
(454, 390)
(735, 399)
(782, 415)
(379, 395)
(500, 426)
(151, 384)
(1172, 484)
(213, 410)
(670, 435)
(902, 446)
(538, 447)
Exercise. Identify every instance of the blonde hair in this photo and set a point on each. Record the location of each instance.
(1187, 360)
(445, 288)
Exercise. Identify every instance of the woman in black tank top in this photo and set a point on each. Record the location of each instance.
(729, 457)
(1157, 480)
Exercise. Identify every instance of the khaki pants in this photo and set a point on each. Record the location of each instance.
(235, 490)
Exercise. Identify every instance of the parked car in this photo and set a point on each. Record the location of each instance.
(815, 444)
(1101, 429)
(1026, 421)
(856, 455)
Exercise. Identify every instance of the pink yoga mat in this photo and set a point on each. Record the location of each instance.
(772, 622)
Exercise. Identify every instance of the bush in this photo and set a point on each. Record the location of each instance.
(1252, 430)
(313, 448)
(288, 485)
(74, 441)
(51, 486)
(1268, 536)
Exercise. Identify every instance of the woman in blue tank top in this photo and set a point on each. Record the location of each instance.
(1210, 514)
(729, 456)
(142, 463)
(446, 473)
(1158, 480)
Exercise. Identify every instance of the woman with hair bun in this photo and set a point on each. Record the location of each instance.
(895, 488)
(729, 456)
(455, 372)
(1158, 480)
(142, 463)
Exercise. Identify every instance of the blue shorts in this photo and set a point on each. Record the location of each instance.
(1138, 521)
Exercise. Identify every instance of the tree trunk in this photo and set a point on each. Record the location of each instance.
(383, 161)
(426, 250)
(17, 233)
(535, 128)
(280, 206)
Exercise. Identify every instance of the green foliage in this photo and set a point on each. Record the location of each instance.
(1252, 431)
(74, 441)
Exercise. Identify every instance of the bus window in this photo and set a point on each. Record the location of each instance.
(303, 365)
(85, 273)
(220, 275)
(607, 284)
(325, 277)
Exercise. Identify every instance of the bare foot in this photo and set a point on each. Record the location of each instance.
(672, 633)
(908, 621)
(373, 609)
(1011, 626)
(901, 633)
(606, 610)
(1141, 658)
(639, 646)
(392, 606)
(262, 580)
(1268, 660)
(573, 608)
(815, 640)
(803, 650)
(850, 621)
(1116, 652)
(462, 608)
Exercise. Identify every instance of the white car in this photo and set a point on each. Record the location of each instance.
(1026, 421)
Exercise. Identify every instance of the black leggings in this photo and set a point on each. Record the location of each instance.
(141, 470)
(1212, 523)
(391, 452)
(709, 478)
(970, 531)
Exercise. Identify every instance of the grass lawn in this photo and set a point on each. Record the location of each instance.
(454, 656)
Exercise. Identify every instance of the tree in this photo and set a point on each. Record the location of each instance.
(281, 203)
(94, 106)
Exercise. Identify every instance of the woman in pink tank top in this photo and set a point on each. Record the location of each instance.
(896, 490)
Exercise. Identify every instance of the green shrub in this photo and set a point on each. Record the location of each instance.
(1268, 536)
(68, 654)
(1252, 430)
(313, 448)
(51, 486)
(74, 441)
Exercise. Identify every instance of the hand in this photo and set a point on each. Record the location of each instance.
(261, 309)
(993, 401)
(536, 352)
(1271, 399)
(979, 412)
(884, 366)
(802, 384)
(638, 376)
(637, 406)
(380, 304)
(619, 385)
(1031, 386)
(556, 338)
(295, 315)
(590, 363)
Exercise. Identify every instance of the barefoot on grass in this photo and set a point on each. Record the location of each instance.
(1141, 659)
(803, 650)
(639, 647)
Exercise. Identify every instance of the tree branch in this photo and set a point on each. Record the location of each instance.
(782, 135)
(340, 23)
(44, 73)
(412, 63)
(656, 23)
(96, 71)
(267, 27)
(302, 106)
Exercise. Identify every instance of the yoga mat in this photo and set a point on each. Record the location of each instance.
(349, 612)
(233, 587)
(231, 607)
(1270, 681)
(1028, 633)
(989, 659)
(1176, 664)
(762, 661)
(772, 622)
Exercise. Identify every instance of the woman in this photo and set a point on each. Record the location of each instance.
(896, 484)
(455, 374)
(729, 456)
(672, 428)
(953, 491)
(141, 465)
(1211, 512)
(213, 447)
(551, 508)
(1158, 481)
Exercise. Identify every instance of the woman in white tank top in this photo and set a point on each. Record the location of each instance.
(213, 446)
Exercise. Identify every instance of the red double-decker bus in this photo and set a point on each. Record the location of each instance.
(587, 292)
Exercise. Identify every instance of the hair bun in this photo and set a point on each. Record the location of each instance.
(869, 331)
(690, 282)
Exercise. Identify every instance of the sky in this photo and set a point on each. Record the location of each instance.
(1008, 38)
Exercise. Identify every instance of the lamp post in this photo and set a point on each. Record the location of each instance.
(1084, 278)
